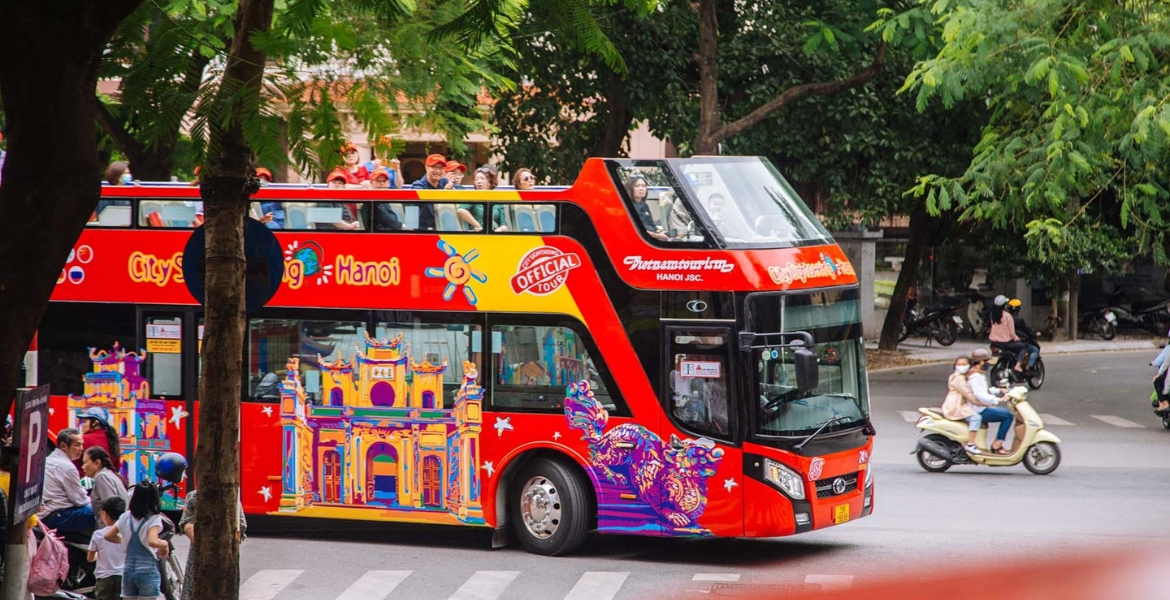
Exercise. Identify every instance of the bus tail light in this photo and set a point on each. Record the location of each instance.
(789, 481)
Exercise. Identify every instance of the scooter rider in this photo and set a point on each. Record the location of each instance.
(66, 505)
(1026, 334)
(1003, 330)
(1161, 380)
(989, 399)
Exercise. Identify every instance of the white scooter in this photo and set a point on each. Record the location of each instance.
(942, 441)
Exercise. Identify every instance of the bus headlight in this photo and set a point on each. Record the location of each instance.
(786, 479)
(868, 476)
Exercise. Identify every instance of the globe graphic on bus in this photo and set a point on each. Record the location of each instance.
(308, 257)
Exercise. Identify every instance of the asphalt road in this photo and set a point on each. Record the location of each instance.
(1110, 491)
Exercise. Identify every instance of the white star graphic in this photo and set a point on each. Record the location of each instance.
(177, 415)
(729, 483)
(490, 468)
(52, 411)
(267, 410)
(503, 424)
(266, 492)
(556, 435)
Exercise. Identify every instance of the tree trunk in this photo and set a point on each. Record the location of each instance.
(1074, 297)
(618, 120)
(226, 189)
(707, 59)
(48, 103)
(711, 131)
(920, 226)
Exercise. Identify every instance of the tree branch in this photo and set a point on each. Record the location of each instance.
(131, 147)
(800, 92)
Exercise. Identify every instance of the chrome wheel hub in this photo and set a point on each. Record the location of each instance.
(540, 507)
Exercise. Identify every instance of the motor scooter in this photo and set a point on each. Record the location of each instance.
(941, 444)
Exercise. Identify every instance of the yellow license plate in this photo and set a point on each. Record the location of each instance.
(840, 514)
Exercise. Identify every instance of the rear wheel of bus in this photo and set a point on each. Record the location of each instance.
(550, 507)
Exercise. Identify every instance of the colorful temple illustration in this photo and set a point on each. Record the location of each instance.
(383, 439)
(117, 385)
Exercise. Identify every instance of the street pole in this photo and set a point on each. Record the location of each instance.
(16, 561)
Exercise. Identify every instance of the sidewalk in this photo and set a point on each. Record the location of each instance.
(917, 350)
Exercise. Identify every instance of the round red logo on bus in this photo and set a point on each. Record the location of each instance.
(544, 270)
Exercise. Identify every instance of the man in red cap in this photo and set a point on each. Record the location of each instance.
(454, 172)
(432, 181)
(337, 181)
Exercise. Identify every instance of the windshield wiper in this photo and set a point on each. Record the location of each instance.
(814, 434)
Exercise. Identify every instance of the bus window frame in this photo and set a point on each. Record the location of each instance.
(614, 166)
(557, 205)
(290, 314)
(735, 436)
(508, 319)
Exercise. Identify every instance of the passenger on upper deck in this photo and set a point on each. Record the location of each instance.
(349, 220)
(118, 173)
(385, 219)
(454, 172)
(432, 181)
(486, 178)
(524, 180)
(384, 146)
(638, 191)
(355, 174)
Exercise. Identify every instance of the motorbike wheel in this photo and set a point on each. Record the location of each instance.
(1108, 331)
(1042, 458)
(947, 334)
(931, 463)
(1037, 380)
(904, 333)
(996, 375)
(1166, 421)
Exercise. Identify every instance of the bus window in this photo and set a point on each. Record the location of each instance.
(524, 218)
(657, 205)
(534, 365)
(164, 343)
(336, 216)
(170, 214)
(428, 345)
(698, 381)
(69, 329)
(271, 342)
(111, 213)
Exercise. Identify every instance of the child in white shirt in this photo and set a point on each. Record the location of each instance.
(109, 556)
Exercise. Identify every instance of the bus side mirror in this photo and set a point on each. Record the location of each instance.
(808, 371)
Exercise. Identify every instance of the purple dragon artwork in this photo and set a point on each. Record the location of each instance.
(647, 486)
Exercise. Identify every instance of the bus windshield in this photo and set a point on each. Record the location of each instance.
(750, 204)
(833, 319)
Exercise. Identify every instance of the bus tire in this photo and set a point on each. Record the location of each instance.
(549, 507)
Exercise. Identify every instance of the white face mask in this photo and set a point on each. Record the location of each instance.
(962, 369)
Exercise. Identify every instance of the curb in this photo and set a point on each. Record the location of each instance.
(936, 361)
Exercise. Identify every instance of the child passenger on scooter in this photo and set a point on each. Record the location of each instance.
(109, 556)
(959, 402)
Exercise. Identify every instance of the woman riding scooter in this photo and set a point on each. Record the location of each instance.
(1003, 332)
(988, 400)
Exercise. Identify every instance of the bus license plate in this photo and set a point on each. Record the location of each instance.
(840, 514)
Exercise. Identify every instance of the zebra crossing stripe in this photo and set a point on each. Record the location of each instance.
(374, 585)
(1118, 421)
(485, 585)
(830, 582)
(266, 584)
(598, 585)
(1050, 419)
(910, 415)
(726, 577)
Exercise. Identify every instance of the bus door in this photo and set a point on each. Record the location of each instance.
(703, 457)
(166, 420)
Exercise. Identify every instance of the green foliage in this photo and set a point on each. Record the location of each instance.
(1079, 93)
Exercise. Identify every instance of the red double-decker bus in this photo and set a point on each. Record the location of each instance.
(665, 348)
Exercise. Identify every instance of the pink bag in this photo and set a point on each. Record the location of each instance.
(49, 565)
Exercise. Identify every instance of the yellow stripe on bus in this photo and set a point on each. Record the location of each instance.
(469, 195)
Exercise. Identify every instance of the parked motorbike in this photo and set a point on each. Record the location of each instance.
(978, 315)
(939, 321)
(81, 581)
(1151, 313)
(1097, 321)
(941, 444)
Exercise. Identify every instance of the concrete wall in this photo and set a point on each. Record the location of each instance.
(859, 248)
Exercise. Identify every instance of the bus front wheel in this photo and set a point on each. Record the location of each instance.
(549, 507)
